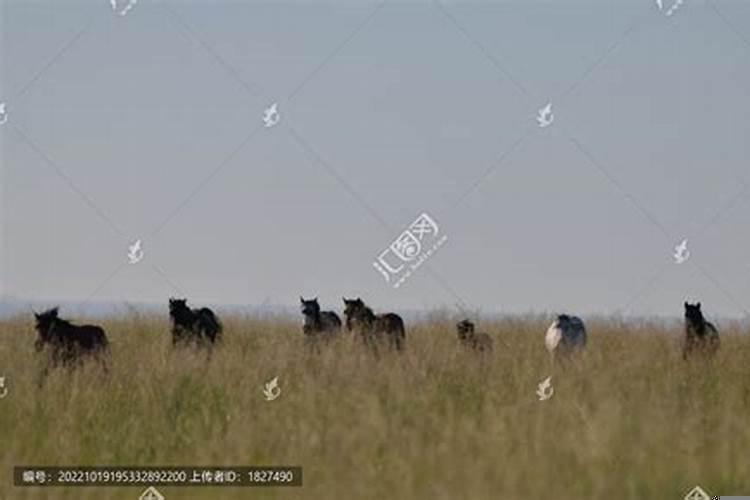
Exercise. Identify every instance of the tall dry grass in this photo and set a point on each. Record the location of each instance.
(629, 420)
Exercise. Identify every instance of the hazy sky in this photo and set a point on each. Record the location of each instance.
(150, 126)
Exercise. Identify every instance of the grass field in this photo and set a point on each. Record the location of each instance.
(628, 420)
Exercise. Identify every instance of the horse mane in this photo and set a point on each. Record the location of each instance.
(61, 322)
(182, 314)
(366, 313)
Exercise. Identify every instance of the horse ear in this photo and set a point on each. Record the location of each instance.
(699, 305)
(686, 304)
(54, 311)
(301, 300)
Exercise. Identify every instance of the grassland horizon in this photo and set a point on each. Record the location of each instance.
(629, 418)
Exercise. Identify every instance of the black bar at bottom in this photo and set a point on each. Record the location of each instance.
(272, 475)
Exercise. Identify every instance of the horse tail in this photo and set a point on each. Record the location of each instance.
(393, 326)
(333, 320)
(211, 324)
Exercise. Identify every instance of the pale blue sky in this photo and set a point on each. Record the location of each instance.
(117, 125)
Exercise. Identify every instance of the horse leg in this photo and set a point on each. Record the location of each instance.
(43, 375)
(102, 358)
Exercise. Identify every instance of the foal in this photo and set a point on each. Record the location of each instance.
(565, 335)
(199, 326)
(477, 341)
(318, 324)
(701, 336)
(374, 328)
(69, 345)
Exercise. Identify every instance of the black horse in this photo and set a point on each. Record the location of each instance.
(318, 324)
(478, 341)
(701, 336)
(193, 326)
(68, 344)
(374, 328)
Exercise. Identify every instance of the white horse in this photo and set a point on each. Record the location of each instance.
(565, 334)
